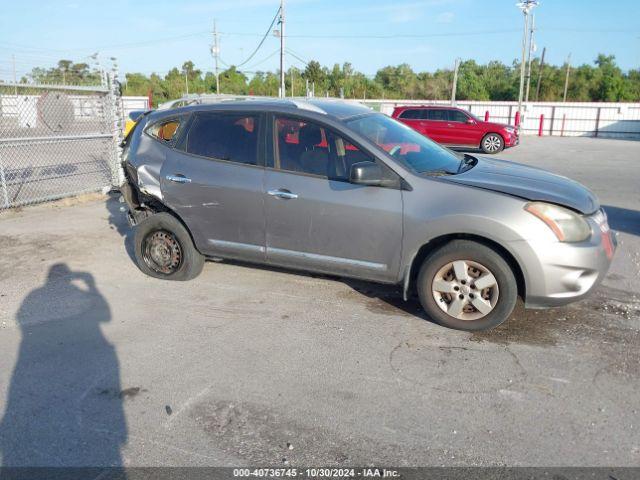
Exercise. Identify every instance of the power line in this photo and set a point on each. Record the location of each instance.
(386, 36)
(290, 52)
(261, 41)
(441, 34)
(109, 47)
(268, 57)
(30, 49)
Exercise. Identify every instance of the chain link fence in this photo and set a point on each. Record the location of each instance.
(57, 141)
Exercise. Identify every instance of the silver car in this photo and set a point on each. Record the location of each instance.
(333, 187)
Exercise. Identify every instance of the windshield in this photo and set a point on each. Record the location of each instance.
(405, 144)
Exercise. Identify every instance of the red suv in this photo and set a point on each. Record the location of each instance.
(455, 127)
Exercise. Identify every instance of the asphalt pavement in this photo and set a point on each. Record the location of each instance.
(248, 365)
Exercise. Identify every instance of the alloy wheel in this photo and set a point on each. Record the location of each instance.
(492, 143)
(465, 290)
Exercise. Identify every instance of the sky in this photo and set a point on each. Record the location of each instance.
(156, 35)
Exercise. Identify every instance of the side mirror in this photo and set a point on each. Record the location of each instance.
(470, 121)
(366, 173)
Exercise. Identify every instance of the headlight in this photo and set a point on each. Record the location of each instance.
(567, 225)
(510, 129)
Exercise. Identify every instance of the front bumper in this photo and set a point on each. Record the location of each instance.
(562, 273)
(511, 139)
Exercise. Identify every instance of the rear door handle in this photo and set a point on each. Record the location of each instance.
(178, 178)
(286, 194)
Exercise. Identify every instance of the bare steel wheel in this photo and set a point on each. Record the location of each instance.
(164, 248)
(465, 290)
(467, 285)
(492, 143)
(162, 252)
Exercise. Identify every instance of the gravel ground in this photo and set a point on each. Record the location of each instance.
(101, 365)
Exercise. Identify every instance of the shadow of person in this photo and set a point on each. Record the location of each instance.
(64, 404)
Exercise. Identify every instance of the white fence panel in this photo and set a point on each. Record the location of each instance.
(612, 120)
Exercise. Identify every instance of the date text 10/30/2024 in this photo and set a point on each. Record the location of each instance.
(315, 472)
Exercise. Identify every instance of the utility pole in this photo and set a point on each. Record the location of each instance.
(566, 79)
(292, 80)
(455, 82)
(525, 6)
(282, 85)
(186, 81)
(540, 74)
(215, 51)
(528, 80)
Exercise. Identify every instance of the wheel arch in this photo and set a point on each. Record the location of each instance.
(504, 141)
(159, 207)
(411, 271)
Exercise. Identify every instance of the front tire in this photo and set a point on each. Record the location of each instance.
(466, 285)
(164, 249)
(492, 143)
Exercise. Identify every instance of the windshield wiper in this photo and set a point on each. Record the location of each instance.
(438, 173)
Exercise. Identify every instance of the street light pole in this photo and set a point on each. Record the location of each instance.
(528, 80)
(525, 6)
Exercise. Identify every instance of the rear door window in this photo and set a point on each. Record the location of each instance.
(436, 114)
(230, 137)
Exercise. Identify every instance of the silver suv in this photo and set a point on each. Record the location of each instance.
(333, 187)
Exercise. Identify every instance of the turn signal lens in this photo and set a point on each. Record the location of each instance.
(567, 225)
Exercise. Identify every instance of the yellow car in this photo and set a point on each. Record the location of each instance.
(128, 125)
(132, 119)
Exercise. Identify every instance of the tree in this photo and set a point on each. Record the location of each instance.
(315, 74)
(233, 81)
(602, 81)
(610, 85)
(66, 72)
(471, 84)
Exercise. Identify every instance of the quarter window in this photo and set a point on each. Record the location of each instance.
(224, 137)
(413, 114)
(164, 131)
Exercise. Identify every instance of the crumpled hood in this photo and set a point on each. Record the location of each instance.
(529, 183)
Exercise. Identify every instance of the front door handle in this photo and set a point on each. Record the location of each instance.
(286, 194)
(178, 178)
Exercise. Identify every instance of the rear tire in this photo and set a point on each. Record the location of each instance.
(164, 249)
(448, 291)
(492, 143)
